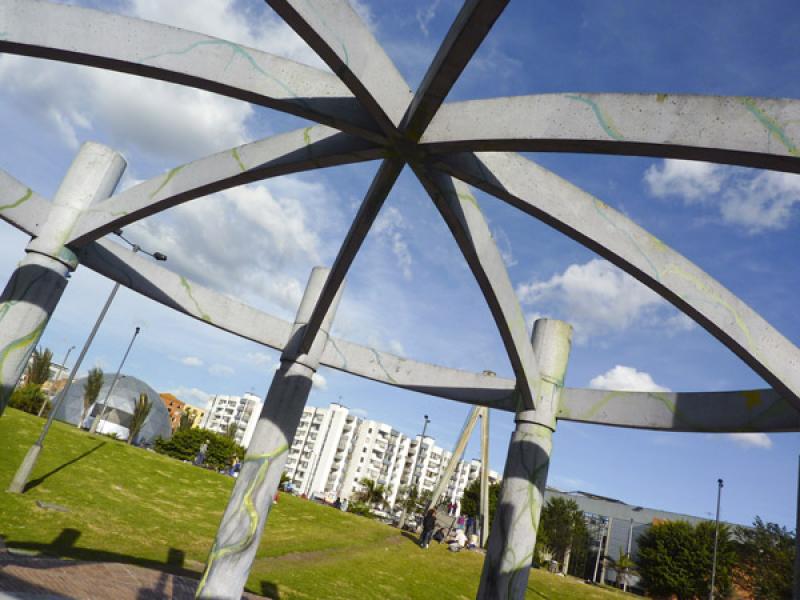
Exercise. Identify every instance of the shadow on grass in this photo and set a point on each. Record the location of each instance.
(39, 480)
(64, 545)
(270, 590)
(537, 593)
(410, 536)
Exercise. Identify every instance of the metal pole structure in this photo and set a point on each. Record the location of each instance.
(512, 538)
(33, 291)
(235, 546)
(599, 552)
(23, 473)
(404, 514)
(102, 413)
(64, 366)
(484, 517)
(628, 554)
(458, 452)
(605, 551)
(716, 541)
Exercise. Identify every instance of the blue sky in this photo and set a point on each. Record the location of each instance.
(409, 291)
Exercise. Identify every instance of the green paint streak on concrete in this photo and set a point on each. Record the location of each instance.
(602, 209)
(771, 124)
(25, 197)
(237, 51)
(660, 98)
(20, 342)
(380, 364)
(324, 23)
(341, 354)
(188, 289)
(237, 158)
(307, 136)
(603, 119)
(247, 506)
(170, 174)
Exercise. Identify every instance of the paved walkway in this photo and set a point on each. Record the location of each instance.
(29, 578)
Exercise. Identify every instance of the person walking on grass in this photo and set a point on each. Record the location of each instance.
(428, 525)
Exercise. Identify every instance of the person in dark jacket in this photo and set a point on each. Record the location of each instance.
(428, 525)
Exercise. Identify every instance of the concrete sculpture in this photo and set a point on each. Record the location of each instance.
(366, 111)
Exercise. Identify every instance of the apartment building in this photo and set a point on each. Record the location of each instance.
(239, 412)
(333, 451)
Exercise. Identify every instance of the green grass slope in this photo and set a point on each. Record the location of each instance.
(129, 505)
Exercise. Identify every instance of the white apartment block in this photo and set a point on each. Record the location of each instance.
(241, 411)
(333, 451)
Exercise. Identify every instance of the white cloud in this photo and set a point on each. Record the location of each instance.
(751, 440)
(259, 359)
(221, 370)
(319, 381)
(389, 227)
(596, 298)
(761, 203)
(504, 246)
(755, 200)
(192, 361)
(688, 179)
(395, 347)
(627, 379)
(426, 15)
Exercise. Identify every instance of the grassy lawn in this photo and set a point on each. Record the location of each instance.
(129, 505)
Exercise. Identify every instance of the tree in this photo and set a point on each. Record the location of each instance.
(471, 499)
(38, 370)
(562, 530)
(140, 412)
(186, 420)
(765, 555)
(624, 567)
(372, 493)
(184, 445)
(91, 389)
(30, 398)
(675, 558)
(230, 431)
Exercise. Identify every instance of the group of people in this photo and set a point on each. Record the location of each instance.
(464, 535)
(340, 504)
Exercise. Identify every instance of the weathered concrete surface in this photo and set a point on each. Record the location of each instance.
(339, 36)
(292, 152)
(20, 206)
(379, 189)
(471, 26)
(513, 535)
(614, 236)
(710, 412)
(464, 218)
(91, 37)
(35, 287)
(239, 533)
(754, 132)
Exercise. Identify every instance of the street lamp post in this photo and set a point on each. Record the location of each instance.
(102, 413)
(716, 541)
(29, 462)
(413, 472)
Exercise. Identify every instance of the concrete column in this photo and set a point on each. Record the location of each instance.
(513, 536)
(235, 546)
(484, 517)
(35, 287)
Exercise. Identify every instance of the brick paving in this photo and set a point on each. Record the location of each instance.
(39, 578)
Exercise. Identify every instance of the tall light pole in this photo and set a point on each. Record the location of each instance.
(413, 471)
(29, 462)
(101, 414)
(716, 541)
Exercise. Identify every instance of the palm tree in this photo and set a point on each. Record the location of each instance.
(91, 389)
(140, 412)
(38, 371)
(624, 566)
(230, 432)
(186, 420)
(373, 492)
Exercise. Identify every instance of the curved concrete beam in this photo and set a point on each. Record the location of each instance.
(713, 412)
(20, 206)
(471, 26)
(611, 234)
(381, 185)
(342, 40)
(464, 218)
(753, 132)
(91, 37)
(142, 275)
(298, 150)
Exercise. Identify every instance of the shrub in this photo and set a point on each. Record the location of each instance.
(184, 445)
(29, 398)
(359, 508)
